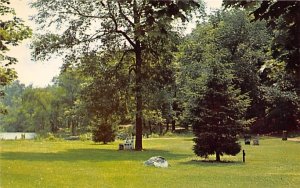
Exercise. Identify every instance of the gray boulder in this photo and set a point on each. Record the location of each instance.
(157, 161)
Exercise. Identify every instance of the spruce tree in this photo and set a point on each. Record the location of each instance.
(217, 112)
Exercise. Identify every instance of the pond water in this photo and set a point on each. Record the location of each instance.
(16, 135)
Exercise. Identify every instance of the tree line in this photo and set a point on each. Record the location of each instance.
(128, 63)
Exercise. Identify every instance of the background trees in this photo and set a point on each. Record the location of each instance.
(126, 26)
(12, 32)
(284, 19)
(126, 63)
(215, 104)
(242, 43)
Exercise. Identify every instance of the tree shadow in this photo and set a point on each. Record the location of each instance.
(188, 139)
(92, 155)
(212, 163)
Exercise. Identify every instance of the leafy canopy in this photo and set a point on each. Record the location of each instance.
(12, 32)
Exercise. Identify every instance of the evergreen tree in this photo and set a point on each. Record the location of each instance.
(104, 133)
(217, 113)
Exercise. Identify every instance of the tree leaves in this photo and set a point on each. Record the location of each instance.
(12, 32)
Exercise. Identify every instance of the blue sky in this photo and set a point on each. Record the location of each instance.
(40, 74)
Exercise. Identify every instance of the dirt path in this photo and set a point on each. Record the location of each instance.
(294, 139)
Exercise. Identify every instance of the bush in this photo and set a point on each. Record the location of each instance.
(50, 137)
(104, 133)
(169, 134)
(85, 137)
(153, 135)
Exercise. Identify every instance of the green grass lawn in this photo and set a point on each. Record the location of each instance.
(274, 163)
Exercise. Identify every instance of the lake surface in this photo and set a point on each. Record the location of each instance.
(16, 135)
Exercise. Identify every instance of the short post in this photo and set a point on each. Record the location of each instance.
(244, 156)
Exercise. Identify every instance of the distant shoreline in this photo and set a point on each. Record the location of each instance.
(17, 135)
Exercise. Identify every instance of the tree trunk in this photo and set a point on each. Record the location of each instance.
(139, 99)
(73, 128)
(52, 126)
(150, 128)
(218, 159)
(160, 128)
(297, 38)
(138, 80)
(173, 125)
(144, 126)
(167, 126)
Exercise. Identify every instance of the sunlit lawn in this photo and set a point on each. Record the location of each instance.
(274, 163)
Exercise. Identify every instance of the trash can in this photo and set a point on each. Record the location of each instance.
(284, 135)
(121, 146)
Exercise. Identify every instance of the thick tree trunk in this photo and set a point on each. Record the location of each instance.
(138, 80)
(139, 99)
(297, 36)
(218, 159)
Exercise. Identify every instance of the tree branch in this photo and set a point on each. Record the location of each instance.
(124, 54)
(132, 68)
(124, 16)
(81, 14)
(127, 37)
(120, 31)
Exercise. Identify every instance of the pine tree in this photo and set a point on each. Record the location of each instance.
(104, 133)
(217, 114)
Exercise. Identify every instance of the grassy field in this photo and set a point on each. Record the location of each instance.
(274, 163)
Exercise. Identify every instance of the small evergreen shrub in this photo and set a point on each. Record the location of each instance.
(104, 133)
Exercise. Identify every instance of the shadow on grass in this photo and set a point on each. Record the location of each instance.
(212, 163)
(188, 139)
(94, 155)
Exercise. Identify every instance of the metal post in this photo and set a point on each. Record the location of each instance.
(244, 156)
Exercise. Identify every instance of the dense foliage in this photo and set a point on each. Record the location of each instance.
(217, 112)
(131, 27)
(103, 133)
(12, 32)
(127, 64)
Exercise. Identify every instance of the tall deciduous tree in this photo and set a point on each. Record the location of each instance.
(248, 45)
(12, 32)
(245, 44)
(284, 17)
(110, 25)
